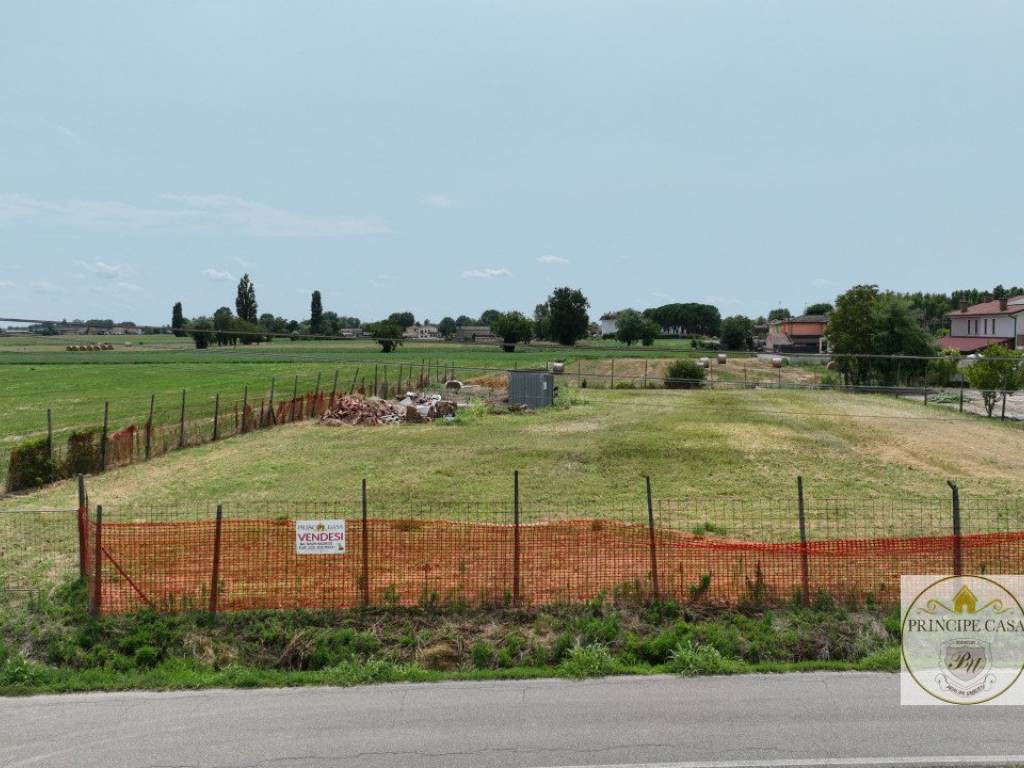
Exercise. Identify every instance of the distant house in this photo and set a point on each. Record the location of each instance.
(609, 322)
(974, 327)
(475, 333)
(422, 332)
(74, 329)
(797, 334)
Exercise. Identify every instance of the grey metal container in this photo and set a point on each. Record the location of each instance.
(532, 388)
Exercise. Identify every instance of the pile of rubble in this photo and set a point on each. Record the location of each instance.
(373, 411)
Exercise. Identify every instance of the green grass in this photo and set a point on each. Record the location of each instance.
(61, 648)
(37, 374)
(694, 444)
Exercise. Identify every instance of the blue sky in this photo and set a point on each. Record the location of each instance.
(450, 157)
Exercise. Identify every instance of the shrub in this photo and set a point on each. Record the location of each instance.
(83, 452)
(684, 374)
(31, 465)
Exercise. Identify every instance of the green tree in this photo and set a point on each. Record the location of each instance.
(316, 314)
(737, 333)
(995, 370)
(822, 308)
(851, 331)
(512, 327)
(224, 323)
(245, 300)
(177, 320)
(897, 333)
(201, 331)
(867, 323)
(779, 314)
(541, 322)
(684, 374)
(462, 320)
(488, 316)
(446, 327)
(403, 319)
(632, 326)
(388, 334)
(567, 315)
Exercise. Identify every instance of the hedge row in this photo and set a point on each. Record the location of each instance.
(32, 465)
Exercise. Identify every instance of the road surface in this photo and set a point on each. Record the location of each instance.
(832, 719)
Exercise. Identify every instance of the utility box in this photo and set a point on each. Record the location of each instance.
(534, 388)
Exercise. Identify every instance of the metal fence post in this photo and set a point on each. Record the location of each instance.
(83, 518)
(97, 565)
(1002, 416)
(654, 541)
(215, 576)
(366, 549)
(645, 373)
(49, 430)
(181, 422)
(957, 544)
(612, 384)
(515, 539)
(375, 392)
(295, 395)
(103, 440)
(334, 389)
(149, 426)
(216, 416)
(961, 393)
(805, 574)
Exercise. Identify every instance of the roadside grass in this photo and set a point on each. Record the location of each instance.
(694, 444)
(55, 646)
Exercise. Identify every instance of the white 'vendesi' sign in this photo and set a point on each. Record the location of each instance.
(320, 537)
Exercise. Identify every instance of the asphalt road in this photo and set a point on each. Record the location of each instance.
(832, 719)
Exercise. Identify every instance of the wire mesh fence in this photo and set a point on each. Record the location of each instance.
(500, 552)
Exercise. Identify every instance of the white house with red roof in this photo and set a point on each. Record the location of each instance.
(974, 327)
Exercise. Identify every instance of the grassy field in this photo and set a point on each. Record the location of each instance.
(37, 373)
(694, 444)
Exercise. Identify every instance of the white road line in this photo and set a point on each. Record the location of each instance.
(961, 761)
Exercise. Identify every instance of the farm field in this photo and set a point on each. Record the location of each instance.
(694, 444)
(37, 374)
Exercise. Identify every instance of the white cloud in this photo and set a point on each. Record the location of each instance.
(103, 269)
(128, 287)
(486, 274)
(6, 284)
(439, 201)
(187, 213)
(259, 220)
(217, 274)
(821, 281)
(244, 264)
(549, 259)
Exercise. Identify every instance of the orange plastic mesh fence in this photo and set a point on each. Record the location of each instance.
(165, 557)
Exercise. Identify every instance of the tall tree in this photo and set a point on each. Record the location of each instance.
(316, 314)
(567, 315)
(512, 327)
(779, 314)
(821, 308)
(737, 333)
(245, 300)
(488, 316)
(446, 327)
(632, 326)
(997, 369)
(177, 320)
(404, 319)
